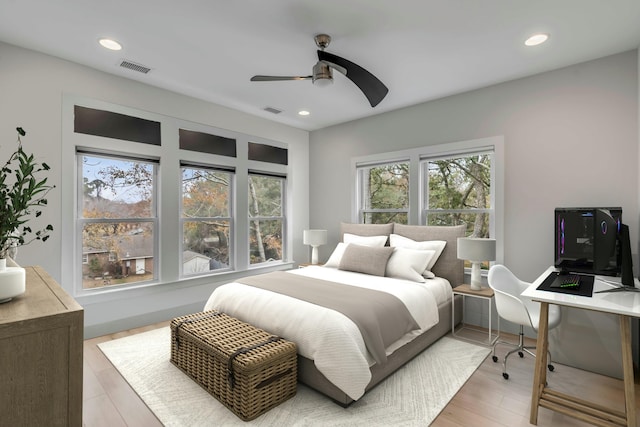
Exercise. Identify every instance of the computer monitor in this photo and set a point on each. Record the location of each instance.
(626, 265)
(586, 240)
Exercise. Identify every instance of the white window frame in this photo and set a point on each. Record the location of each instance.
(81, 221)
(363, 200)
(282, 217)
(229, 218)
(424, 175)
(169, 156)
(416, 156)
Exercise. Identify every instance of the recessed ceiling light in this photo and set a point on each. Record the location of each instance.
(303, 113)
(536, 39)
(110, 44)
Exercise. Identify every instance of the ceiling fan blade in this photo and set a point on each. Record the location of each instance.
(373, 89)
(277, 78)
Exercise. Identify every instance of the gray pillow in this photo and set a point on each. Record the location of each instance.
(365, 259)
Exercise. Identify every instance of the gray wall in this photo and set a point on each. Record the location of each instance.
(32, 86)
(571, 139)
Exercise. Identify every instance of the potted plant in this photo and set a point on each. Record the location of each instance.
(22, 196)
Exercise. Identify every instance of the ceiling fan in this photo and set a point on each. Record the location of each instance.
(373, 89)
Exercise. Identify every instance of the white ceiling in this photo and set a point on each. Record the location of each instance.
(421, 49)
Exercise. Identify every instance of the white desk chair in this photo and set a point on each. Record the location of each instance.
(521, 311)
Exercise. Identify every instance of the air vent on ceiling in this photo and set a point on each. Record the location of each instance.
(135, 67)
(272, 110)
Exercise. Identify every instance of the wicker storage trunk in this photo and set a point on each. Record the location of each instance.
(247, 369)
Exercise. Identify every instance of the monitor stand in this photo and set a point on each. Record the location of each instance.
(619, 288)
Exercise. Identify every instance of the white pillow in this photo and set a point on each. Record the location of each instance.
(336, 256)
(398, 241)
(408, 263)
(375, 241)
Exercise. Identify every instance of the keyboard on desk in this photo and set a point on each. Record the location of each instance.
(568, 281)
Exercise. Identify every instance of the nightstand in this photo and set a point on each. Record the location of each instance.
(484, 294)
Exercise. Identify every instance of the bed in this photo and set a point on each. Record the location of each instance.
(343, 355)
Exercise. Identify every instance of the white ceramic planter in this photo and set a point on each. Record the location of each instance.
(12, 280)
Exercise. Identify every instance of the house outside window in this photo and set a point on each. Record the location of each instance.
(117, 219)
(266, 217)
(383, 193)
(206, 219)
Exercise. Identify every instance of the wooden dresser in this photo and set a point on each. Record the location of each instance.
(41, 335)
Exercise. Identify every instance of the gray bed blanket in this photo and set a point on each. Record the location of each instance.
(381, 317)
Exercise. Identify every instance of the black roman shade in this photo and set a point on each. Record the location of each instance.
(114, 125)
(207, 143)
(268, 153)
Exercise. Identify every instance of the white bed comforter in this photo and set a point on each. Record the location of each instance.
(325, 336)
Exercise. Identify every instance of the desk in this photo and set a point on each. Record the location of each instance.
(624, 304)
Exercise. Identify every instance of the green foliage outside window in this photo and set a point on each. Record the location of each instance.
(385, 193)
(461, 189)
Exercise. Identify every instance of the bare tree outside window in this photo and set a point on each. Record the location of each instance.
(206, 219)
(118, 220)
(266, 218)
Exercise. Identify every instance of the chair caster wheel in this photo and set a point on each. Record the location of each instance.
(551, 367)
(495, 359)
(505, 375)
(521, 354)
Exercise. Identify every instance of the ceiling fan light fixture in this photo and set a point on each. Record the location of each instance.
(536, 39)
(322, 75)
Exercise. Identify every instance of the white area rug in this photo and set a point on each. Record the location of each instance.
(413, 396)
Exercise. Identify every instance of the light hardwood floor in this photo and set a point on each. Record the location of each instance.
(485, 400)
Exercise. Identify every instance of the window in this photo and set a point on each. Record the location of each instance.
(154, 202)
(206, 219)
(444, 184)
(116, 219)
(383, 193)
(266, 217)
(458, 190)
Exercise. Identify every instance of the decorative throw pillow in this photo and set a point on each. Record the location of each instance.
(375, 241)
(336, 256)
(432, 245)
(408, 264)
(365, 259)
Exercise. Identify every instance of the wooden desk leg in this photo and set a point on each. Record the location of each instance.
(627, 368)
(540, 373)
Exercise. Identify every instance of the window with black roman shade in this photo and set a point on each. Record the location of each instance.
(268, 153)
(207, 143)
(114, 125)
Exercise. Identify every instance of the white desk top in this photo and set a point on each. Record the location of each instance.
(626, 303)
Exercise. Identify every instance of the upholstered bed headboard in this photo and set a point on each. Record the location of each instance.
(366, 229)
(447, 266)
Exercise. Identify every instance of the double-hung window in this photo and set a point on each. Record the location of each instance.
(383, 193)
(458, 190)
(266, 217)
(457, 183)
(117, 219)
(206, 219)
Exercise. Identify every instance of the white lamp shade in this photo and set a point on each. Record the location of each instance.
(476, 249)
(314, 237)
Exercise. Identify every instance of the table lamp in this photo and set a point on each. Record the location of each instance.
(476, 250)
(314, 238)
